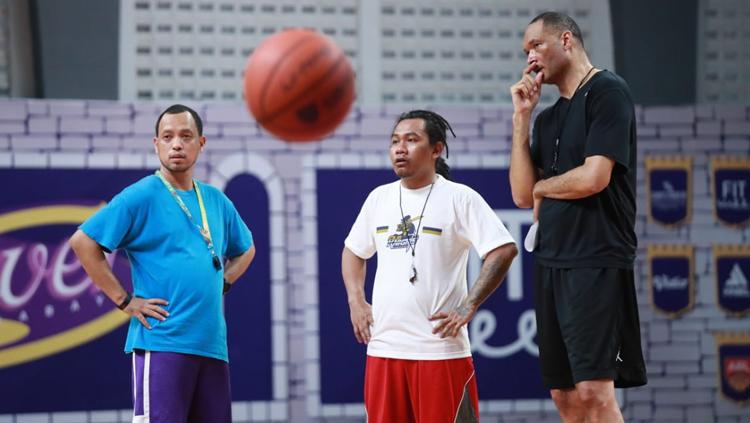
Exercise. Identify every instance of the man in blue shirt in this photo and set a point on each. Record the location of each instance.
(186, 244)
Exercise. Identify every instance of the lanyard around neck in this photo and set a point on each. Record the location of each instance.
(205, 231)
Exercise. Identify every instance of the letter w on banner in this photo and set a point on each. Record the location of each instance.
(731, 189)
(669, 184)
(670, 277)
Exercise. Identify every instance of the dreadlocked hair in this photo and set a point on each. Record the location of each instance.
(436, 127)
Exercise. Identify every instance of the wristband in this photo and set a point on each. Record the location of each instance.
(227, 287)
(125, 302)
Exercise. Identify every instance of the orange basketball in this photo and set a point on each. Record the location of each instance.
(299, 85)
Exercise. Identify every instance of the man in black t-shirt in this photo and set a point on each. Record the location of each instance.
(578, 174)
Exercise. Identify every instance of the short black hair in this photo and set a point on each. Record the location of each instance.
(560, 22)
(176, 109)
(436, 127)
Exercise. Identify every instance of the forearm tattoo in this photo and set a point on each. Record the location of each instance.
(493, 271)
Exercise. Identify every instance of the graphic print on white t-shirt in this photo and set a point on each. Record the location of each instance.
(405, 235)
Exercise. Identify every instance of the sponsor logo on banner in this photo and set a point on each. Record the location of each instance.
(52, 316)
(732, 269)
(47, 303)
(671, 282)
(669, 185)
(734, 366)
(731, 189)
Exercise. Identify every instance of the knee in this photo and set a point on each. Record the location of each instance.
(564, 399)
(593, 396)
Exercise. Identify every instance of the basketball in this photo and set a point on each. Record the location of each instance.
(299, 85)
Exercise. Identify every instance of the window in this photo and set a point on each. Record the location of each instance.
(145, 95)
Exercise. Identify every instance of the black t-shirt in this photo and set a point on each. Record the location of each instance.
(596, 231)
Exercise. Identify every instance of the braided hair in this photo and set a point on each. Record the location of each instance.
(436, 127)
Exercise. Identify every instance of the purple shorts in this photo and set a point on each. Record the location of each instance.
(173, 387)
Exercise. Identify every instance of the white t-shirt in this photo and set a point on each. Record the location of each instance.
(455, 219)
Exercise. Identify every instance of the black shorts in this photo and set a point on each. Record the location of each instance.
(588, 326)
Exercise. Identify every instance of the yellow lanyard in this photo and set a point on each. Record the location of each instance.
(205, 231)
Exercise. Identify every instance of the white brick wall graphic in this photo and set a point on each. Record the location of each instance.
(680, 353)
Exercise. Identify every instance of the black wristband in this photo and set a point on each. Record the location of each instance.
(125, 302)
(227, 287)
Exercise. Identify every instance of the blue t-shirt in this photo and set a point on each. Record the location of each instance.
(170, 260)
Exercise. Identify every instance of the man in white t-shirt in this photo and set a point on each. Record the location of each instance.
(419, 366)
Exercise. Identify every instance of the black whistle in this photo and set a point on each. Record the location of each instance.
(217, 263)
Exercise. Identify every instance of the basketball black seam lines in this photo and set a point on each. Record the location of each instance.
(281, 109)
(274, 70)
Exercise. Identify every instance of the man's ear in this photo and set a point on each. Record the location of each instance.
(437, 149)
(567, 39)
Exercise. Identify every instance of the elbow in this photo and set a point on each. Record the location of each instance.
(597, 184)
(512, 251)
(508, 252)
(523, 201)
(75, 241)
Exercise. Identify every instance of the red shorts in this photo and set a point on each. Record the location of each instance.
(420, 391)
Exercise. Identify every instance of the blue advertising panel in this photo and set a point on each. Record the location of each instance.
(732, 267)
(60, 335)
(671, 278)
(669, 189)
(734, 366)
(731, 189)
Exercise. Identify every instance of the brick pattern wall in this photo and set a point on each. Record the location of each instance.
(680, 353)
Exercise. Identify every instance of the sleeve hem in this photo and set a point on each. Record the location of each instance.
(488, 247)
(357, 252)
(107, 248)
